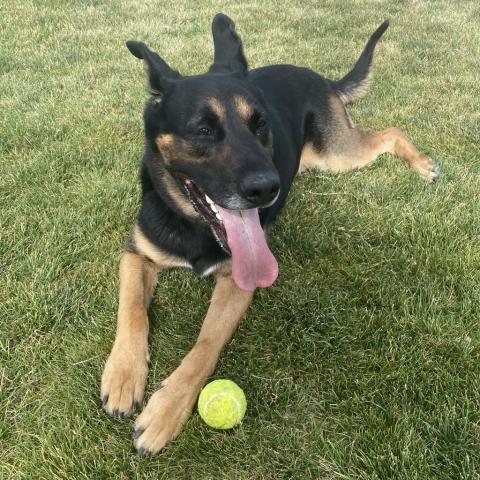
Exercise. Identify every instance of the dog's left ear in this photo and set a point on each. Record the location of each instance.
(160, 75)
(228, 56)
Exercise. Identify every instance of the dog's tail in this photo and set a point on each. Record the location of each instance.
(356, 82)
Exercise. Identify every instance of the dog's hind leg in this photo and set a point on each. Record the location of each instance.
(344, 147)
(171, 405)
(394, 141)
(125, 372)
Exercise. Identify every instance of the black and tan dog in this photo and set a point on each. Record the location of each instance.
(221, 152)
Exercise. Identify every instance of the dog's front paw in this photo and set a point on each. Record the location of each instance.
(163, 417)
(123, 381)
(427, 168)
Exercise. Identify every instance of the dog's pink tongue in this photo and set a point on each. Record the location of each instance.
(253, 264)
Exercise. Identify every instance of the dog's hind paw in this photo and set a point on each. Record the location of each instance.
(427, 168)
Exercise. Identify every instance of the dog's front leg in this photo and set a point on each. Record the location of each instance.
(171, 405)
(125, 372)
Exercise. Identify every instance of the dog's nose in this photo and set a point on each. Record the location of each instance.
(260, 188)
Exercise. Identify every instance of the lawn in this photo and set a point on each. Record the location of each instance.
(361, 362)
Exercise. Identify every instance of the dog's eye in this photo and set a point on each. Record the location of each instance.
(205, 132)
(260, 126)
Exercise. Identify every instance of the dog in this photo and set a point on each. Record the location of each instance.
(221, 152)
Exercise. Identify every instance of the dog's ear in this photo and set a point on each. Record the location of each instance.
(228, 53)
(160, 75)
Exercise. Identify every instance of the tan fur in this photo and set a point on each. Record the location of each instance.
(125, 372)
(311, 158)
(177, 196)
(359, 91)
(217, 107)
(243, 107)
(170, 407)
(347, 148)
(164, 141)
(146, 248)
(173, 147)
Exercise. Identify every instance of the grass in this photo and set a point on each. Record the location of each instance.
(361, 362)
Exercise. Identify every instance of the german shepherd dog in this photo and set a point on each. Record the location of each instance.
(221, 152)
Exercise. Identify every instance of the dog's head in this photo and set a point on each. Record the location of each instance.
(211, 134)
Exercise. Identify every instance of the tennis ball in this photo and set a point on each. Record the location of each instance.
(222, 404)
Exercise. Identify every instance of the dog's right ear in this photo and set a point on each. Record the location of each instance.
(228, 49)
(160, 75)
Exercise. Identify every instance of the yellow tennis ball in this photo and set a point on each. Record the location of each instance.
(222, 404)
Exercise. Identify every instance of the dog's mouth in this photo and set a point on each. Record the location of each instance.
(241, 235)
(207, 209)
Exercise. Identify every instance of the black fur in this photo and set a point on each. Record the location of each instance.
(160, 74)
(162, 223)
(228, 55)
(349, 85)
(290, 104)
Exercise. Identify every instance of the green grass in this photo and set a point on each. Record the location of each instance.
(362, 362)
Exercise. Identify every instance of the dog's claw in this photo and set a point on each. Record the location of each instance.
(118, 414)
(435, 172)
(136, 433)
(428, 169)
(123, 382)
(143, 452)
